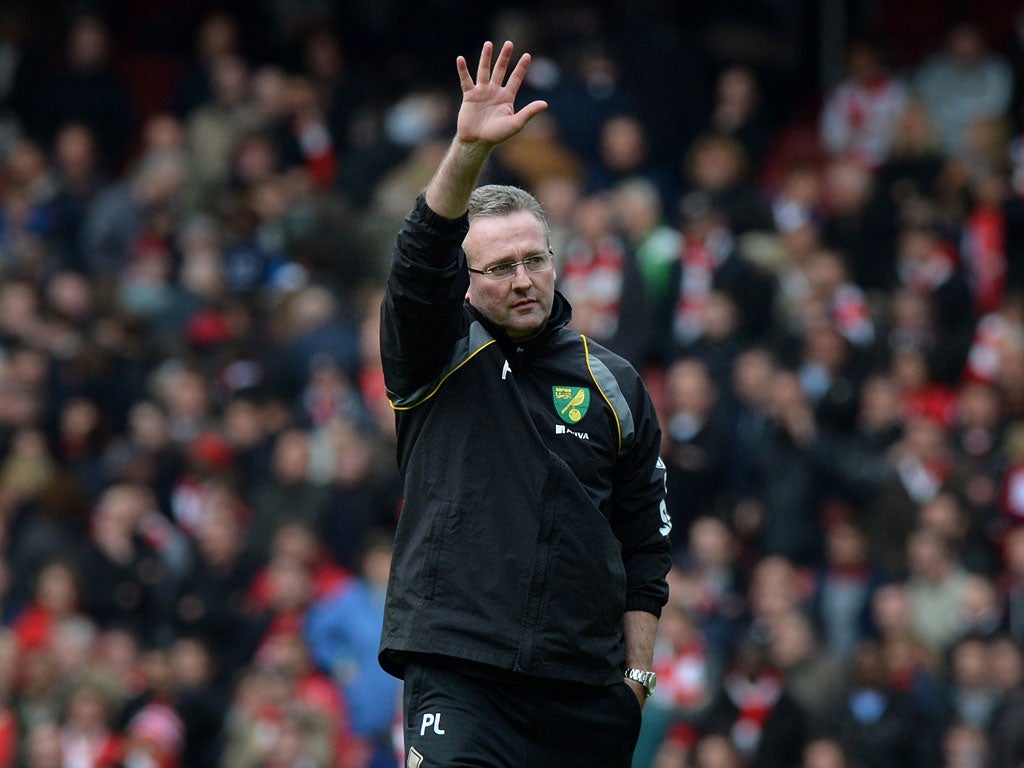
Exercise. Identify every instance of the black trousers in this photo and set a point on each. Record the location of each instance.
(462, 720)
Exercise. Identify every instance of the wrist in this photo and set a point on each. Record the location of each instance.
(643, 679)
(473, 150)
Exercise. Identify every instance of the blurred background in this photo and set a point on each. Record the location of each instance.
(801, 221)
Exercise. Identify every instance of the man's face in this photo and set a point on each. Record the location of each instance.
(521, 304)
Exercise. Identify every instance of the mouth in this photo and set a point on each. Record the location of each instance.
(523, 306)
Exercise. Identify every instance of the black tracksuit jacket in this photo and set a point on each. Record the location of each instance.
(534, 510)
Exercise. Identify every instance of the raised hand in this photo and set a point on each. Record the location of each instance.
(487, 115)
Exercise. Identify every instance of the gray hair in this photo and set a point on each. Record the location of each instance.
(502, 200)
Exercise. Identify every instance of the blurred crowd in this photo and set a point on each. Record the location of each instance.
(825, 296)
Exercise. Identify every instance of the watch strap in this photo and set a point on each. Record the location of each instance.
(646, 678)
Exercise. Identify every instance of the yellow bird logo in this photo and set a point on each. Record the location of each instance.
(571, 403)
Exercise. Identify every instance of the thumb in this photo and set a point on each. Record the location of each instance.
(527, 113)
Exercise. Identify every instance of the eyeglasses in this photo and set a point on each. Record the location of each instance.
(505, 270)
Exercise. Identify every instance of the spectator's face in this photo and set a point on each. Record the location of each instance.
(593, 218)
(825, 273)
(966, 44)
(242, 425)
(520, 305)
(943, 515)
(879, 404)
(711, 542)
(295, 542)
(715, 752)
(636, 212)
(737, 88)
(970, 664)
(190, 663)
(774, 590)
(911, 311)
(291, 586)
(1013, 552)
(803, 186)
(75, 152)
(353, 455)
(1006, 664)
(787, 394)
(157, 670)
(927, 439)
(87, 45)
(845, 546)
(914, 130)
(823, 753)
(230, 79)
(826, 347)
(188, 398)
(980, 601)
(792, 641)
(927, 558)
(978, 406)
(848, 186)
(623, 146)
(148, 426)
(118, 513)
(56, 590)
(864, 64)
(44, 748)
(689, 388)
(721, 317)
(87, 710)
(163, 132)
(220, 535)
(71, 295)
(751, 376)
(558, 196)
(270, 92)
(323, 56)
(377, 565)
(891, 609)
(25, 163)
(965, 747)
(291, 457)
(717, 165)
(217, 35)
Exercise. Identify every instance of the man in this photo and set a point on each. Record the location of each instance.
(530, 559)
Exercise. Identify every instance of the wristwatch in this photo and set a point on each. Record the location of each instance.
(648, 680)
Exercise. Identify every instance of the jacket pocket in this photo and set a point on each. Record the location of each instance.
(436, 535)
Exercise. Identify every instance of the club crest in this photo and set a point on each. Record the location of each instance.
(571, 403)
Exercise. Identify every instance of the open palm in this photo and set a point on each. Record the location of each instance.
(488, 114)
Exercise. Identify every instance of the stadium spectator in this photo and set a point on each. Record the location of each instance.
(963, 84)
(343, 633)
(861, 113)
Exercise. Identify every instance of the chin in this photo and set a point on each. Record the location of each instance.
(518, 331)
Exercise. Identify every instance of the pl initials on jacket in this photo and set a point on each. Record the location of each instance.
(534, 511)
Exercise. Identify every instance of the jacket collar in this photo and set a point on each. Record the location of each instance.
(561, 315)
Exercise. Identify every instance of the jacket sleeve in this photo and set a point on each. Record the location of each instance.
(640, 517)
(422, 306)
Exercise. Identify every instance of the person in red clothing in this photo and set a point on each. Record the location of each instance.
(296, 541)
(86, 735)
(54, 598)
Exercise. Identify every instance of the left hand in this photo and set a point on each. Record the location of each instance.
(638, 690)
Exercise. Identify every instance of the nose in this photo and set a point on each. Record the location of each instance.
(521, 277)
